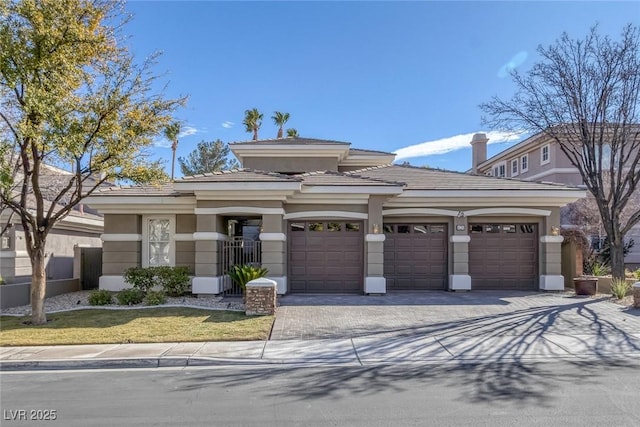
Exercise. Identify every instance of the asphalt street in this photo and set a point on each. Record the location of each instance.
(493, 393)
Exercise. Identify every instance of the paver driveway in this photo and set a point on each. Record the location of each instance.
(442, 314)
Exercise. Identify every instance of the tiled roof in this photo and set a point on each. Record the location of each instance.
(374, 152)
(291, 141)
(409, 177)
(239, 175)
(340, 179)
(138, 190)
(436, 179)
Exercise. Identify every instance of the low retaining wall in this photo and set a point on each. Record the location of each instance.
(604, 285)
(20, 293)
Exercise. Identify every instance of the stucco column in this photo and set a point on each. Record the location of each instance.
(459, 279)
(274, 249)
(121, 249)
(207, 237)
(374, 281)
(551, 278)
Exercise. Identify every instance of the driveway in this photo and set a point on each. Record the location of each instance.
(448, 314)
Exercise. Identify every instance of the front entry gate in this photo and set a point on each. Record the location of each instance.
(237, 252)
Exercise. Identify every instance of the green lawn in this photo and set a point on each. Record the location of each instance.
(135, 326)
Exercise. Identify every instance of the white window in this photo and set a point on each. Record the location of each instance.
(544, 155)
(524, 163)
(157, 241)
(500, 170)
(514, 167)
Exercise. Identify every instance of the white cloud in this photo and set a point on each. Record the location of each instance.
(452, 143)
(517, 60)
(186, 130)
(227, 124)
(162, 143)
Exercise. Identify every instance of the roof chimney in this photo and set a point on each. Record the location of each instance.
(478, 150)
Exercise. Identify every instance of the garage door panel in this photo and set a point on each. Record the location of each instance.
(416, 260)
(313, 270)
(507, 259)
(333, 256)
(352, 257)
(404, 270)
(298, 270)
(321, 260)
(298, 257)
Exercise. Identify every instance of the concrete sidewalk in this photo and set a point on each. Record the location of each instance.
(360, 351)
(430, 327)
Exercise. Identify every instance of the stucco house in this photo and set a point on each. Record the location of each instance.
(81, 228)
(323, 217)
(538, 158)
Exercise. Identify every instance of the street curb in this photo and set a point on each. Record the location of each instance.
(183, 362)
(29, 365)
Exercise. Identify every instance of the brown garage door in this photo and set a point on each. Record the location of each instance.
(325, 256)
(415, 256)
(503, 256)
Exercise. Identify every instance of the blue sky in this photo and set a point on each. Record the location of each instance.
(387, 76)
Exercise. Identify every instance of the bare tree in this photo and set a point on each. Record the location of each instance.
(584, 95)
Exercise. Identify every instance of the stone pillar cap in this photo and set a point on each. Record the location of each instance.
(262, 282)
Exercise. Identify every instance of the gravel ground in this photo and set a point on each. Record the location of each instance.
(76, 300)
(626, 301)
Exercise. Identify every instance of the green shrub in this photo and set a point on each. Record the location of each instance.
(619, 288)
(243, 274)
(155, 298)
(140, 278)
(130, 296)
(636, 274)
(100, 297)
(600, 269)
(173, 280)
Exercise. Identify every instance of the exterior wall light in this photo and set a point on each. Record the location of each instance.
(376, 229)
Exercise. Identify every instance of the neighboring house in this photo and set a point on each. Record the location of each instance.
(82, 227)
(537, 158)
(323, 217)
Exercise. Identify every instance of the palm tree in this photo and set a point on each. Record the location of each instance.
(280, 119)
(292, 133)
(171, 132)
(252, 121)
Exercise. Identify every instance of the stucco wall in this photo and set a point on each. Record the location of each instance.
(122, 224)
(19, 294)
(291, 164)
(59, 254)
(326, 207)
(239, 203)
(118, 256)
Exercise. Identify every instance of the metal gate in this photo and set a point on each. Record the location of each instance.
(90, 267)
(237, 252)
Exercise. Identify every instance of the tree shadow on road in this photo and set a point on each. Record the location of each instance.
(518, 370)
